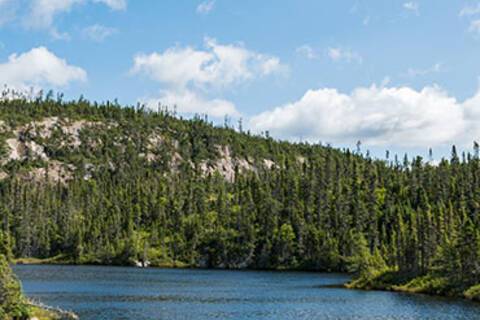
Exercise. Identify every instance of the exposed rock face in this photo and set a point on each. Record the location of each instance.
(69, 129)
(176, 161)
(16, 148)
(3, 126)
(22, 147)
(21, 150)
(44, 129)
(55, 171)
(155, 140)
(269, 164)
(30, 142)
(226, 165)
(301, 160)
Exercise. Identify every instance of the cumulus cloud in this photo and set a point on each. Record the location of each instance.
(39, 67)
(98, 33)
(412, 6)
(378, 116)
(471, 108)
(189, 102)
(191, 75)
(206, 7)
(344, 55)
(216, 66)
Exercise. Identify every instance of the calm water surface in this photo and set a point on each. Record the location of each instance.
(98, 293)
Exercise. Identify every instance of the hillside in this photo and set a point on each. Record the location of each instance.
(99, 183)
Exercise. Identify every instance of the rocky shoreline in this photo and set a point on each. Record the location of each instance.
(41, 311)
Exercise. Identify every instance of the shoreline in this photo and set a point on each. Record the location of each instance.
(55, 261)
(376, 283)
(41, 311)
(435, 286)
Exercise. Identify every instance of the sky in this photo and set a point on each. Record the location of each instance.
(397, 75)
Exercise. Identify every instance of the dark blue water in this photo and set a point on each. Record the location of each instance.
(98, 293)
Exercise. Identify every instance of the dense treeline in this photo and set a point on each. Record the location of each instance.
(314, 207)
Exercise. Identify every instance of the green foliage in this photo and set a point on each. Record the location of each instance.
(5, 245)
(363, 263)
(473, 293)
(12, 303)
(428, 284)
(152, 187)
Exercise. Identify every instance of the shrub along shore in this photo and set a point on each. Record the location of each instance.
(13, 304)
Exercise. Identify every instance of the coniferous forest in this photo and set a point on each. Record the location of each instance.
(88, 183)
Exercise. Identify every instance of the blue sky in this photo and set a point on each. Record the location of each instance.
(402, 75)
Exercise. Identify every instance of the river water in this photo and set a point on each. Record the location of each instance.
(99, 293)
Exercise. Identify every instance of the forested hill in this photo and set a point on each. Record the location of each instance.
(90, 183)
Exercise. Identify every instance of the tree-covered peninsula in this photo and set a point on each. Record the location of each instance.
(14, 305)
(89, 183)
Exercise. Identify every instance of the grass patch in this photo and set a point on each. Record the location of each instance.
(42, 314)
(473, 293)
(60, 259)
(392, 280)
(428, 284)
(381, 280)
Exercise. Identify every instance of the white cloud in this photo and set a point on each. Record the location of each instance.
(269, 65)
(470, 10)
(399, 116)
(471, 109)
(192, 76)
(98, 33)
(436, 68)
(189, 102)
(177, 66)
(307, 51)
(39, 67)
(217, 66)
(412, 6)
(474, 26)
(43, 12)
(114, 4)
(345, 55)
(206, 7)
